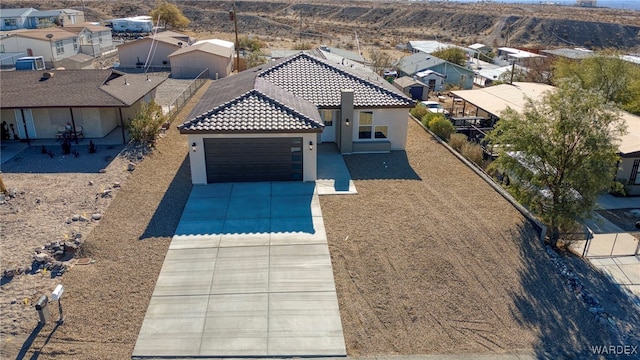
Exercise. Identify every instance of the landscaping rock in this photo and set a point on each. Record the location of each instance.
(96, 216)
(131, 167)
(41, 257)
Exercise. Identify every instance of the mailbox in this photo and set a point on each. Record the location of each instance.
(43, 311)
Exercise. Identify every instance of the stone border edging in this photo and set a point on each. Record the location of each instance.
(542, 229)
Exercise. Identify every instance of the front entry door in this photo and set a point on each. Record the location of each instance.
(28, 118)
(330, 118)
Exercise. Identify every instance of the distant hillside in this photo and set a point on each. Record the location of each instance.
(388, 23)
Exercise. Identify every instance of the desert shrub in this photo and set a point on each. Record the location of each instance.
(303, 46)
(251, 44)
(473, 152)
(418, 111)
(457, 141)
(440, 126)
(147, 124)
(617, 189)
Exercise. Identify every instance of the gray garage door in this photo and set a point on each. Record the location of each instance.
(253, 159)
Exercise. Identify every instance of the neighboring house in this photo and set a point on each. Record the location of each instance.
(486, 74)
(491, 101)
(134, 24)
(485, 49)
(14, 19)
(214, 54)
(507, 56)
(342, 53)
(413, 88)
(30, 18)
(433, 79)
(56, 44)
(566, 53)
(38, 103)
(151, 51)
(431, 46)
(629, 166)
(45, 18)
(264, 124)
(93, 40)
(455, 75)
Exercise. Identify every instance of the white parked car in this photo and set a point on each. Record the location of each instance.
(435, 107)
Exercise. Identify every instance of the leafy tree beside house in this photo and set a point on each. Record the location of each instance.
(147, 124)
(170, 15)
(452, 54)
(618, 80)
(560, 154)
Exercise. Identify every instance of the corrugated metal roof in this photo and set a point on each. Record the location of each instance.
(495, 99)
(14, 13)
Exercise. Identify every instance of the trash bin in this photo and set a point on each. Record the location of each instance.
(43, 311)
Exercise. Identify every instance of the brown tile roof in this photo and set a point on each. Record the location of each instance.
(253, 112)
(301, 82)
(73, 88)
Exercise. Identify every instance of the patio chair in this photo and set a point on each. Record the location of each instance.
(60, 135)
(78, 134)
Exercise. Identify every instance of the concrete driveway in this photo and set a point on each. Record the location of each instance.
(248, 273)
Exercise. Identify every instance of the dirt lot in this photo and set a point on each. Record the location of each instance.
(427, 259)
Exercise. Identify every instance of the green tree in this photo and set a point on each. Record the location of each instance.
(147, 124)
(170, 15)
(618, 80)
(452, 54)
(559, 154)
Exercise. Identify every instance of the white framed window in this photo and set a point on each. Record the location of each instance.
(10, 22)
(75, 44)
(59, 47)
(368, 129)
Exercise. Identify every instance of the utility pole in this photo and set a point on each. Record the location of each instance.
(234, 16)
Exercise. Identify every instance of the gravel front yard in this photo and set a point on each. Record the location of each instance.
(427, 259)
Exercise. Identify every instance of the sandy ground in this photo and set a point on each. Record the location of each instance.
(427, 260)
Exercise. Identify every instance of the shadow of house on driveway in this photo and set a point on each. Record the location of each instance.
(551, 307)
(167, 215)
(393, 165)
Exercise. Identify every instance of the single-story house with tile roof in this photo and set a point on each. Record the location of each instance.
(265, 123)
(454, 74)
(215, 55)
(37, 103)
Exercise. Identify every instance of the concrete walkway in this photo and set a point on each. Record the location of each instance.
(248, 274)
(612, 249)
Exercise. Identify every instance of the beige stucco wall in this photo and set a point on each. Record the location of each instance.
(130, 53)
(397, 121)
(197, 160)
(189, 65)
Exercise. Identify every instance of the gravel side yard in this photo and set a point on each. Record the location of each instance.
(428, 258)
